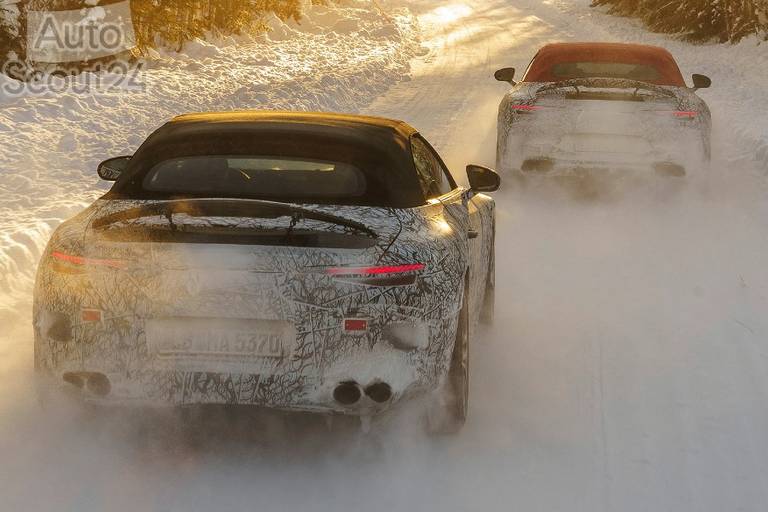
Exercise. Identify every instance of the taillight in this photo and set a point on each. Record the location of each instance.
(678, 114)
(525, 109)
(80, 262)
(386, 275)
(375, 271)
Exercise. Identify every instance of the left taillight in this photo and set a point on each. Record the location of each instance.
(525, 109)
(73, 263)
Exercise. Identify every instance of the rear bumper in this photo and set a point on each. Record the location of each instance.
(569, 154)
(194, 324)
(559, 168)
(366, 377)
(158, 389)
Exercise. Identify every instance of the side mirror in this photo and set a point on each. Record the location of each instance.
(483, 179)
(111, 169)
(701, 82)
(505, 75)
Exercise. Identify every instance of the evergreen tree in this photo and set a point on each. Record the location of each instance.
(10, 39)
(157, 22)
(697, 20)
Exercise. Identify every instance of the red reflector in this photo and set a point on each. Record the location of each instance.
(686, 114)
(393, 269)
(91, 315)
(355, 324)
(526, 108)
(79, 260)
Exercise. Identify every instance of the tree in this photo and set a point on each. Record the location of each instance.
(175, 22)
(11, 43)
(697, 20)
(158, 22)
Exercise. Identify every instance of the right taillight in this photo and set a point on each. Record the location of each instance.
(384, 275)
(677, 114)
(685, 114)
(375, 270)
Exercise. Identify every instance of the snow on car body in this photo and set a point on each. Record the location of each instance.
(309, 262)
(608, 106)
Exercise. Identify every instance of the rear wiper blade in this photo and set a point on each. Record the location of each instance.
(211, 207)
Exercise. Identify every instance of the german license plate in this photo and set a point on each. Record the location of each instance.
(218, 338)
(606, 144)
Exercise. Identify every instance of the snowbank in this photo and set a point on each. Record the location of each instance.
(337, 58)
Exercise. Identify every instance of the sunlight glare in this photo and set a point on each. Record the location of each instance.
(447, 14)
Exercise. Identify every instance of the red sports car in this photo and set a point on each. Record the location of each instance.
(606, 107)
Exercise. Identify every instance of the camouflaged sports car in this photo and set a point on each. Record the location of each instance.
(602, 108)
(310, 262)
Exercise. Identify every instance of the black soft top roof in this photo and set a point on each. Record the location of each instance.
(318, 122)
(379, 141)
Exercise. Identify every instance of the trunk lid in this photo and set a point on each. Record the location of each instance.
(601, 118)
(200, 305)
(218, 262)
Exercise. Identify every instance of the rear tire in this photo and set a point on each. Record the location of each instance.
(448, 413)
(489, 299)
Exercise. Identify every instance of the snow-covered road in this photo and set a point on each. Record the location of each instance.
(627, 369)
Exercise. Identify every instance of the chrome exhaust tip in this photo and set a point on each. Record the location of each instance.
(74, 379)
(98, 384)
(347, 393)
(379, 392)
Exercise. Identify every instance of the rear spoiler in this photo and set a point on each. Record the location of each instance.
(606, 83)
(203, 207)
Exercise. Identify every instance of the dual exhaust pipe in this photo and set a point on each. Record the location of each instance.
(350, 392)
(96, 383)
(346, 393)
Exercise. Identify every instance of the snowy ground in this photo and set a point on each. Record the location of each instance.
(627, 369)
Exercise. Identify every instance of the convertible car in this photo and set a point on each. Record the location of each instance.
(613, 108)
(309, 262)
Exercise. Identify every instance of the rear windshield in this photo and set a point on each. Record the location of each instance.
(639, 72)
(268, 177)
(346, 169)
(559, 62)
